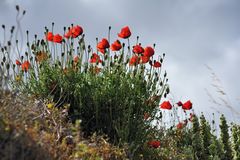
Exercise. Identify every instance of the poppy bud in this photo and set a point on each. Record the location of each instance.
(167, 90)
(27, 32)
(165, 74)
(24, 12)
(165, 95)
(150, 62)
(42, 42)
(4, 59)
(179, 103)
(3, 26)
(22, 58)
(7, 66)
(161, 60)
(213, 122)
(14, 66)
(161, 83)
(12, 29)
(26, 53)
(17, 7)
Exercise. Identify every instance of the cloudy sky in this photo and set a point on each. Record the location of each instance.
(193, 34)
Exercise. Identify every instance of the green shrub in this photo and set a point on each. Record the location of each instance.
(110, 93)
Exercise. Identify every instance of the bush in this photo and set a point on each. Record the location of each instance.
(109, 91)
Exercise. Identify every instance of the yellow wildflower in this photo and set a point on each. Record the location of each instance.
(50, 105)
(18, 78)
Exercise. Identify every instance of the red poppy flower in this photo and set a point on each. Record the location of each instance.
(148, 51)
(125, 32)
(95, 58)
(74, 32)
(116, 46)
(187, 105)
(180, 125)
(25, 66)
(18, 63)
(179, 103)
(138, 49)
(103, 45)
(76, 59)
(68, 34)
(49, 36)
(156, 64)
(166, 105)
(57, 38)
(133, 60)
(144, 59)
(154, 144)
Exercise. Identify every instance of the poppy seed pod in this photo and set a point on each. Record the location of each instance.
(17, 7)
(4, 59)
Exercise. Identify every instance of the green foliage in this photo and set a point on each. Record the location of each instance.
(236, 141)
(197, 145)
(109, 97)
(205, 132)
(225, 139)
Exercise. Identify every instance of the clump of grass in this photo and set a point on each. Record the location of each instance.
(29, 130)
